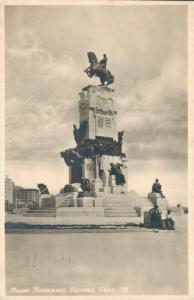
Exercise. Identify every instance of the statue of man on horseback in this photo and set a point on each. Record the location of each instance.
(99, 69)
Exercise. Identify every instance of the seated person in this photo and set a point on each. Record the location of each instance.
(155, 217)
(156, 188)
(169, 221)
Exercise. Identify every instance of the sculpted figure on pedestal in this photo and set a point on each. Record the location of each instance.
(116, 170)
(85, 185)
(43, 188)
(99, 69)
(79, 133)
(157, 188)
(71, 156)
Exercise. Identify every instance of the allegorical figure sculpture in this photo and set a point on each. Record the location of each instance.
(79, 133)
(157, 188)
(99, 69)
(71, 156)
(85, 185)
(116, 170)
(43, 188)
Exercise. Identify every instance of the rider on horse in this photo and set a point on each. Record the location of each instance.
(103, 61)
(99, 69)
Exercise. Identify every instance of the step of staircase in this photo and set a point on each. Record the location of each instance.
(34, 211)
(80, 212)
(110, 212)
(116, 204)
(108, 194)
(40, 213)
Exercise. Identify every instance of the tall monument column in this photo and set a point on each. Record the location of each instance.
(98, 156)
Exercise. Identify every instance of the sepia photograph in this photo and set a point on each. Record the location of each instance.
(96, 150)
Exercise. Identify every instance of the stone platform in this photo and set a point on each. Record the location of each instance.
(105, 208)
(46, 200)
(91, 219)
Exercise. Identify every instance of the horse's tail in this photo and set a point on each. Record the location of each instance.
(110, 77)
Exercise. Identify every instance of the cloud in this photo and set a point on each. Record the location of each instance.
(24, 39)
(39, 103)
(40, 64)
(44, 73)
(35, 130)
(154, 113)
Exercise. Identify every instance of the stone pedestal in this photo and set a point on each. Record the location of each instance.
(66, 199)
(97, 184)
(146, 219)
(85, 202)
(156, 199)
(46, 200)
(97, 105)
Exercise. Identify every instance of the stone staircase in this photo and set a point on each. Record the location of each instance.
(71, 212)
(117, 205)
(40, 213)
(113, 208)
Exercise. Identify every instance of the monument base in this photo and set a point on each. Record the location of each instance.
(46, 200)
(85, 202)
(66, 199)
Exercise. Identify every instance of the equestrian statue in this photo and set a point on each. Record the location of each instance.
(98, 69)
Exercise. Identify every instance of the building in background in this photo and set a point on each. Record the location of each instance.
(9, 191)
(19, 194)
(27, 196)
(31, 196)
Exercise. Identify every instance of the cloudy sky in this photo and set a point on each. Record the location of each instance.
(46, 51)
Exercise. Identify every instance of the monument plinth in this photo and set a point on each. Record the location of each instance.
(97, 107)
(97, 162)
(98, 155)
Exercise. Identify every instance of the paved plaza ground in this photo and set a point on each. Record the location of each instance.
(136, 262)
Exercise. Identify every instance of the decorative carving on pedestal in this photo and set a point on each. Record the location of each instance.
(104, 106)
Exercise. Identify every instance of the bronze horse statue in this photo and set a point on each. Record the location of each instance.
(99, 69)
